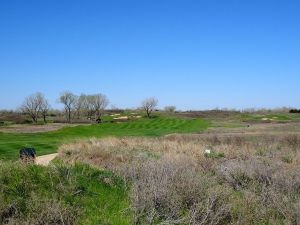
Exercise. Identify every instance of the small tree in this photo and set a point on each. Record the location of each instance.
(81, 105)
(149, 105)
(69, 100)
(93, 105)
(99, 102)
(170, 109)
(33, 105)
(44, 109)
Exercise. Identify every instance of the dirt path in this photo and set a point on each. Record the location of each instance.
(45, 159)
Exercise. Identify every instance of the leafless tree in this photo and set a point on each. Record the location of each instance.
(149, 105)
(81, 105)
(99, 103)
(44, 109)
(35, 104)
(91, 105)
(170, 109)
(69, 100)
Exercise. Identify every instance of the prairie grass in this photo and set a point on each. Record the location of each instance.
(172, 181)
(61, 194)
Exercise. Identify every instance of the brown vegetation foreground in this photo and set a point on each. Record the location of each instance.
(243, 180)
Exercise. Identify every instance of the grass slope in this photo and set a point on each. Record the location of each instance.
(61, 194)
(275, 117)
(46, 143)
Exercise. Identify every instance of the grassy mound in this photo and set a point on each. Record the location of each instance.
(61, 195)
(46, 143)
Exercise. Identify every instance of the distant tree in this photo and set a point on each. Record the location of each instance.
(69, 100)
(170, 109)
(93, 105)
(89, 106)
(34, 104)
(99, 103)
(294, 111)
(44, 109)
(149, 105)
(81, 105)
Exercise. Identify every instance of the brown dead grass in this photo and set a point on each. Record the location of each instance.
(31, 128)
(251, 177)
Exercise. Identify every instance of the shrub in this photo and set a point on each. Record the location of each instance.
(294, 111)
(176, 191)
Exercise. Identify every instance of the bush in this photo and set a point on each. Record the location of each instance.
(176, 191)
(294, 111)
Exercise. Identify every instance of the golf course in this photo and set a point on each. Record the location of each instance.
(48, 142)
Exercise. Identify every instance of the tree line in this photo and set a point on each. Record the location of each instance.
(89, 106)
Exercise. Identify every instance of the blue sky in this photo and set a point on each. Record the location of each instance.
(193, 54)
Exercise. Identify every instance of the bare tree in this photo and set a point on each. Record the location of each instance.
(44, 109)
(81, 105)
(89, 106)
(33, 105)
(100, 102)
(69, 100)
(170, 109)
(149, 105)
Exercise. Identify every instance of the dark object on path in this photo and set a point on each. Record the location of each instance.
(27, 155)
(99, 120)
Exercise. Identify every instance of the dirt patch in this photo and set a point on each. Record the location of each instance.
(30, 128)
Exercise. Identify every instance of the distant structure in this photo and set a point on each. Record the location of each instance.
(28, 155)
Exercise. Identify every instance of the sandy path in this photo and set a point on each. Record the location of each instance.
(45, 159)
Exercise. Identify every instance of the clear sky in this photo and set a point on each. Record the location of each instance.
(193, 54)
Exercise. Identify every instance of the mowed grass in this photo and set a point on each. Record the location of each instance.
(271, 117)
(48, 142)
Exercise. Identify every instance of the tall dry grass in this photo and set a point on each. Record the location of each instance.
(244, 180)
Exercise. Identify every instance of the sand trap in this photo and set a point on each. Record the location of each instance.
(44, 160)
(267, 119)
(121, 118)
(115, 115)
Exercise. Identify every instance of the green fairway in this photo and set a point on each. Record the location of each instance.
(45, 143)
